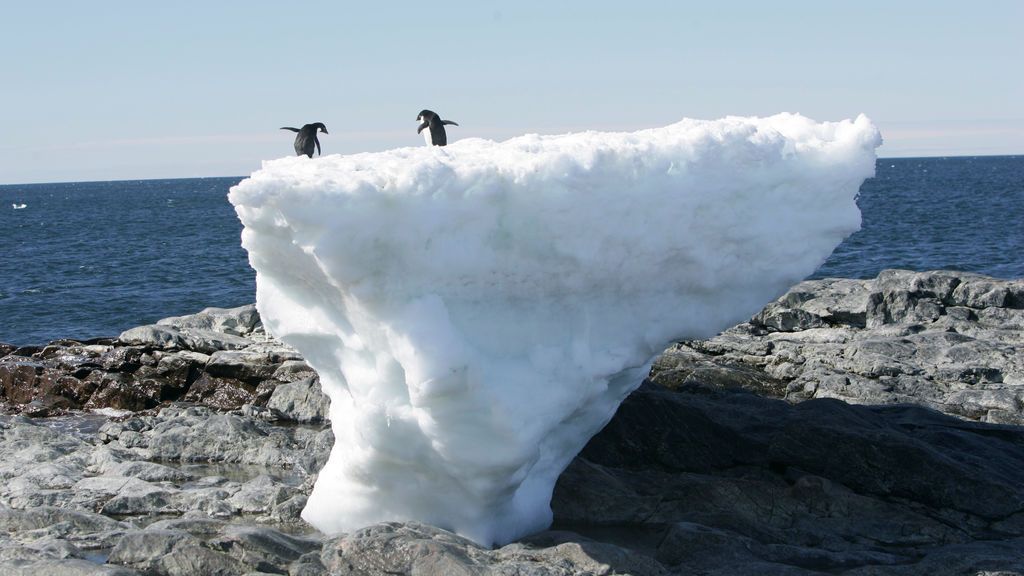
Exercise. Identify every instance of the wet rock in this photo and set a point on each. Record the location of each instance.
(123, 392)
(65, 390)
(172, 374)
(124, 359)
(220, 393)
(205, 358)
(19, 378)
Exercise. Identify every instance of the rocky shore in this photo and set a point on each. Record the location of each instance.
(852, 427)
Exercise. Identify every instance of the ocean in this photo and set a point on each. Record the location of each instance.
(91, 259)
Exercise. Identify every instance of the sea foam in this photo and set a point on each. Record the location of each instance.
(477, 312)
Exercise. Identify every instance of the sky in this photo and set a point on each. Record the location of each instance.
(114, 90)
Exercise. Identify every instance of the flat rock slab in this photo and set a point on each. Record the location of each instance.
(951, 341)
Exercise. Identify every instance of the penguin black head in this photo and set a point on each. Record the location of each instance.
(426, 116)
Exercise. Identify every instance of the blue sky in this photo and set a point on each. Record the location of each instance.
(125, 90)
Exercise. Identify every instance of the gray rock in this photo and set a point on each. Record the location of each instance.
(292, 370)
(946, 340)
(263, 548)
(153, 335)
(247, 365)
(201, 527)
(301, 401)
(308, 565)
(61, 567)
(989, 558)
(172, 552)
(766, 487)
(61, 522)
(411, 548)
(146, 471)
(125, 495)
(198, 434)
(238, 321)
(140, 547)
(56, 548)
(260, 495)
(696, 476)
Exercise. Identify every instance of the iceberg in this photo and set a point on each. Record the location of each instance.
(477, 312)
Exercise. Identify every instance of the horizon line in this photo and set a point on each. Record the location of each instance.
(44, 183)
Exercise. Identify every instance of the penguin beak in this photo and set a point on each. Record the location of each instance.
(324, 131)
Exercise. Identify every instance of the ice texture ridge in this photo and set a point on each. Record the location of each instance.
(477, 312)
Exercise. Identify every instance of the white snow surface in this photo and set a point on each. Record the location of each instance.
(477, 312)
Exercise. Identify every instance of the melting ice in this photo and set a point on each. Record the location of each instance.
(477, 312)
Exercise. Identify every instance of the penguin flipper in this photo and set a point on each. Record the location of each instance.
(289, 128)
(449, 122)
(422, 126)
(317, 140)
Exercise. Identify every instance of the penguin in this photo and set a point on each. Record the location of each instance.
(436, 135)
(306, 138)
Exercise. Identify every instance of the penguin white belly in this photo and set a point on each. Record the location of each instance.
(426, 136)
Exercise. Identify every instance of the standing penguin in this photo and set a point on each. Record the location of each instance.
(435, 135)
(306, 138)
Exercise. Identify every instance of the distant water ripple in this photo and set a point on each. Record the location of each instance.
(85, 260)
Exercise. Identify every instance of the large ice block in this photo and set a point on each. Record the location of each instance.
(477, 312)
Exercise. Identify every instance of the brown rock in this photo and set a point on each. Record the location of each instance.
(220, 393)
(172, 375)
(123, 392)
(74, 392)
(123, 359)
(19, 378)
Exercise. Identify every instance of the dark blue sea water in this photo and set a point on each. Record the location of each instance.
(961, 213)
(92, 259)
(87, 260)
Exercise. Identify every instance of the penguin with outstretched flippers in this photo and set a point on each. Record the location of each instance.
(306, 138)
(436, 135)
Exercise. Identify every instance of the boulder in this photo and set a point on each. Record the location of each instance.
(238, 321)
(300, 401)
(152, 335)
